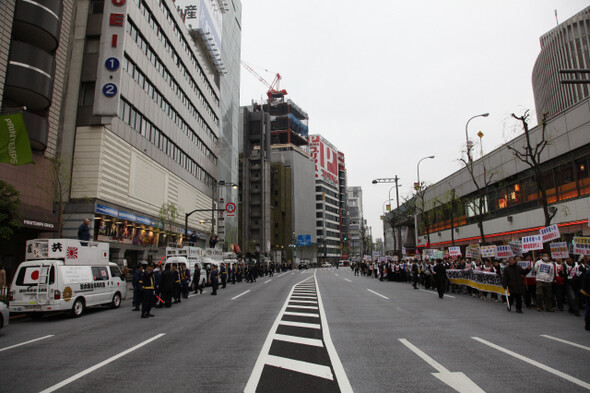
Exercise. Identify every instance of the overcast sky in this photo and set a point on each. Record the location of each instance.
(389, 82)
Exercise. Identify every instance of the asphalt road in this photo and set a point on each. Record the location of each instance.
(320, 330)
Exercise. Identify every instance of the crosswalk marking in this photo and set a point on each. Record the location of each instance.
(299, 340)
(301, 314)
(301, 324)
(304, 307)
(300, 367)
(305, 301)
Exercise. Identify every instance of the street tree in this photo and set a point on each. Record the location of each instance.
(9, 205)
(530, 154)
(168, 214)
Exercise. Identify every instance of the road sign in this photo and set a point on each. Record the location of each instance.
(230, 208)
(304, 240)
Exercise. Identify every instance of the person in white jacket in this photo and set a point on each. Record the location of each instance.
(545, 274)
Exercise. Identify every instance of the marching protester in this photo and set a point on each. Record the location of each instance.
(440, 277)
(544, 274)
(512, 279)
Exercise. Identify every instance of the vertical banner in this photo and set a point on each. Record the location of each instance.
(550, 233)
(15, 148)
(531, 243)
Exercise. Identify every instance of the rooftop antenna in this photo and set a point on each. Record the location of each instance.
(556, 20)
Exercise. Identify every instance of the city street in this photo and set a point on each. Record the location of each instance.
(317, 330)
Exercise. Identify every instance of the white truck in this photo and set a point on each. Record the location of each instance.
(65, 275)
(190, 256)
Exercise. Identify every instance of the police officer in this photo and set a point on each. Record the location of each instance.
(234, 272)
(440, 277)
(137, 275)
(197, 279)
(148, 286)
(176, 288)
(214, 279)
(167, 286)
(223, 275)
(185, 279)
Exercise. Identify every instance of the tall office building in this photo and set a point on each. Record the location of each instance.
(35, 45)
(355, 219)
(144, 126)
(566, 47)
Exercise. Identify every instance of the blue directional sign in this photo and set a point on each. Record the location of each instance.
(303, 240)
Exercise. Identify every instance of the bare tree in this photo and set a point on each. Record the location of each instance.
(531, 155)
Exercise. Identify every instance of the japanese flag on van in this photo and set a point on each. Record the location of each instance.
(31, 275)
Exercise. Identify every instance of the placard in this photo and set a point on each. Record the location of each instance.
(455, 251)
(488, 251)
(559, 250)
(516, 246)
(550, 233)
(582, 245)
(472, 251)
(504, 251)
(530, 243)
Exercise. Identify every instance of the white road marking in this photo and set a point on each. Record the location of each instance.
(303, 297)
(301, 324)
(304, 301)
(566, 342)
(302, 314)
(300, 367)
(299, 340)
(241, 294)
(435, 293)
(378, 294)
(268, 281)
(346, 279)
(535, 363)
(337, 275)
(26, 342)
(306, 307)
(99, 365)
(343, 382)
(457, 380)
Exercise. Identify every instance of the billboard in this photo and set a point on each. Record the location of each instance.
(206, 17)
(325, 157)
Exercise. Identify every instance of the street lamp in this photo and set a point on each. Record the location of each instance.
(215, 199)
(419, 186)
(392, 180)
(418, 189)
(467, 135)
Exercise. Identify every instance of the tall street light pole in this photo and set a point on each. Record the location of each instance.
(469, 159)
(215, 200)
(395, 180)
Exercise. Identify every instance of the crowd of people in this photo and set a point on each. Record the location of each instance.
(545, 285)
(158, 287)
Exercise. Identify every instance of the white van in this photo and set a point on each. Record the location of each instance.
(64, 275)
(190, 256)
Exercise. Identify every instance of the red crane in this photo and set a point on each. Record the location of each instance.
(273, 88)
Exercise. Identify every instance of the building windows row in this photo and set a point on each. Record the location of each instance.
(147, 13)
(131, 116)
(564, 178)
(139, 77)
(327, 208)
(148, 51)
(328, 225)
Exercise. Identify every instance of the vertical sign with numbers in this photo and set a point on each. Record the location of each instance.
(108, 80)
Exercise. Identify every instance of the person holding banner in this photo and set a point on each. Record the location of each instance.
(512, 279)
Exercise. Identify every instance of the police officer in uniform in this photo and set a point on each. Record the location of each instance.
(214, 279)
(137, 297)
(176, 290)
(223, 275)
(148, 286)
(197, 279)
(167, 286)
(185, 279)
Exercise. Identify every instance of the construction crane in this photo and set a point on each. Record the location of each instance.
(274, 89)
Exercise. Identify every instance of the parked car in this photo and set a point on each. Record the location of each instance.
(4, 314)
(303, 265)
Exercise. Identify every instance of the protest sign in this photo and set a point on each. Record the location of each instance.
(472, 251)
(530, 243)
(581, 245)
(550, 233)
(482, 281)
(504, 251)
(488, 251)
(516, 246)
(455, 251)
(559, 250)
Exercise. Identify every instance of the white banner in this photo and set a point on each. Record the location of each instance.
(582, 245)
(530, 243)
(550, 233)
(488, 251)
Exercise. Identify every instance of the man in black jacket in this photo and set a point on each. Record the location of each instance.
(512, 279)
(167, 285)
(440, 277)
(214, 279)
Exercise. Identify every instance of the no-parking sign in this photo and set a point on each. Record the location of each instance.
(230, 208)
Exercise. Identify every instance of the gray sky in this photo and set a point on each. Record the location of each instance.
(389, 82)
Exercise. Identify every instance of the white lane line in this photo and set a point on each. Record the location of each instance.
(566, 342)
(337, 275)
(300, 367)
(343, 382)
(457, 380)
(293, 273)
(301, 324)
(435, 293)
(268, 281)
(304, 307)
(304, 301)
(303, 297)
(346, 279)
(99, 365)
(535, 363)
(304, 293)
(241, 294)
(263, 355)
(378, 294)
(26, 342)
(302, 314)
(299, 340)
